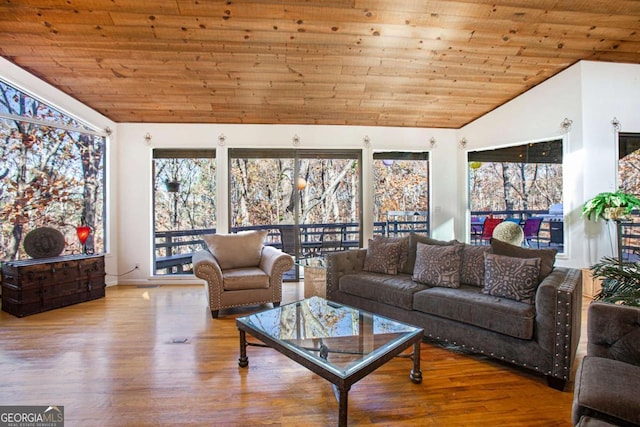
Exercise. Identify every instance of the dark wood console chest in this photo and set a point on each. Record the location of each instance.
(35, 285)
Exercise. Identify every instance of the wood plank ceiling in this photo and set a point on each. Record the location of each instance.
(412, 63)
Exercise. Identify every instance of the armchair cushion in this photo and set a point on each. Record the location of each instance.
(237, 279)
(236, 250)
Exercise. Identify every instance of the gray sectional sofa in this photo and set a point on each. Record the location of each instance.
(539, 331)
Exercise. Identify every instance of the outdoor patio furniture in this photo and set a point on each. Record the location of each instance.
(487, 229)
(532, 230)
(331, 238)
(476, 227)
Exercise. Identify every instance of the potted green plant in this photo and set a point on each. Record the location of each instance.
(610, 206)
(621, 281)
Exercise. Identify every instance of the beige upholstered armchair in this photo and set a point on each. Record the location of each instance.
(240, 270)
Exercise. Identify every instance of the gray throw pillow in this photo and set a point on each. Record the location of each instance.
(512, 278)
(547, 256)
(472, 265)
(414, 239)
(438, 265)
(382, 256)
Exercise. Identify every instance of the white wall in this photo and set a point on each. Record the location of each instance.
(134, 170)
(590, 94)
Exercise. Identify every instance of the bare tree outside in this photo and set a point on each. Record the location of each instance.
(502, 186)
(263, 191)
(51, 174)
(400, 185)
(629, 173)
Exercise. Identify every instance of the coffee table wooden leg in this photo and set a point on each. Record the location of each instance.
(416, 373)
(343, 403)
(243, 361)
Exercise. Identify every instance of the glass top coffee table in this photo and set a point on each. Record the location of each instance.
(341, 344)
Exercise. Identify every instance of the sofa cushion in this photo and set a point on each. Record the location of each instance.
(237, 279)
(236, 250)
(382, 256)
(472, 265)
(607, 389)
(414, 239)
(438, 265)
(547, 256)
(469, 305)
(512, 278)
(393, 290)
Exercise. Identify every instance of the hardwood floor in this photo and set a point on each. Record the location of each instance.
(114, 362)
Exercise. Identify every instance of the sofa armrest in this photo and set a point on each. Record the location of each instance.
(558, 318)
(613, 332)
(341, 263)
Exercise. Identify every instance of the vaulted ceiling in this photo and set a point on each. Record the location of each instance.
(415, 63)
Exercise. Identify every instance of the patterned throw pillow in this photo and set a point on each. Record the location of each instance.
(512, 278)
(472, 266)
(382, 256)
(547, 256)
(414, 239)
(438, 265)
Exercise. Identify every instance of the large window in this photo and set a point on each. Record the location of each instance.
(401, 192)
(519, 183)
(629, 182)
(309, 200)
(51, 175)
(629, 162)
(184, 206)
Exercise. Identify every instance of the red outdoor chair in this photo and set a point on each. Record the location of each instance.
(532, 230)
(487, 228)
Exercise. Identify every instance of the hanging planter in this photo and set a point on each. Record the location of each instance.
(172, 186)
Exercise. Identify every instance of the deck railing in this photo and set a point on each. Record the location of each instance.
(174, 249)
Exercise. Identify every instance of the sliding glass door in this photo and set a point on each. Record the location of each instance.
(309, 200)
